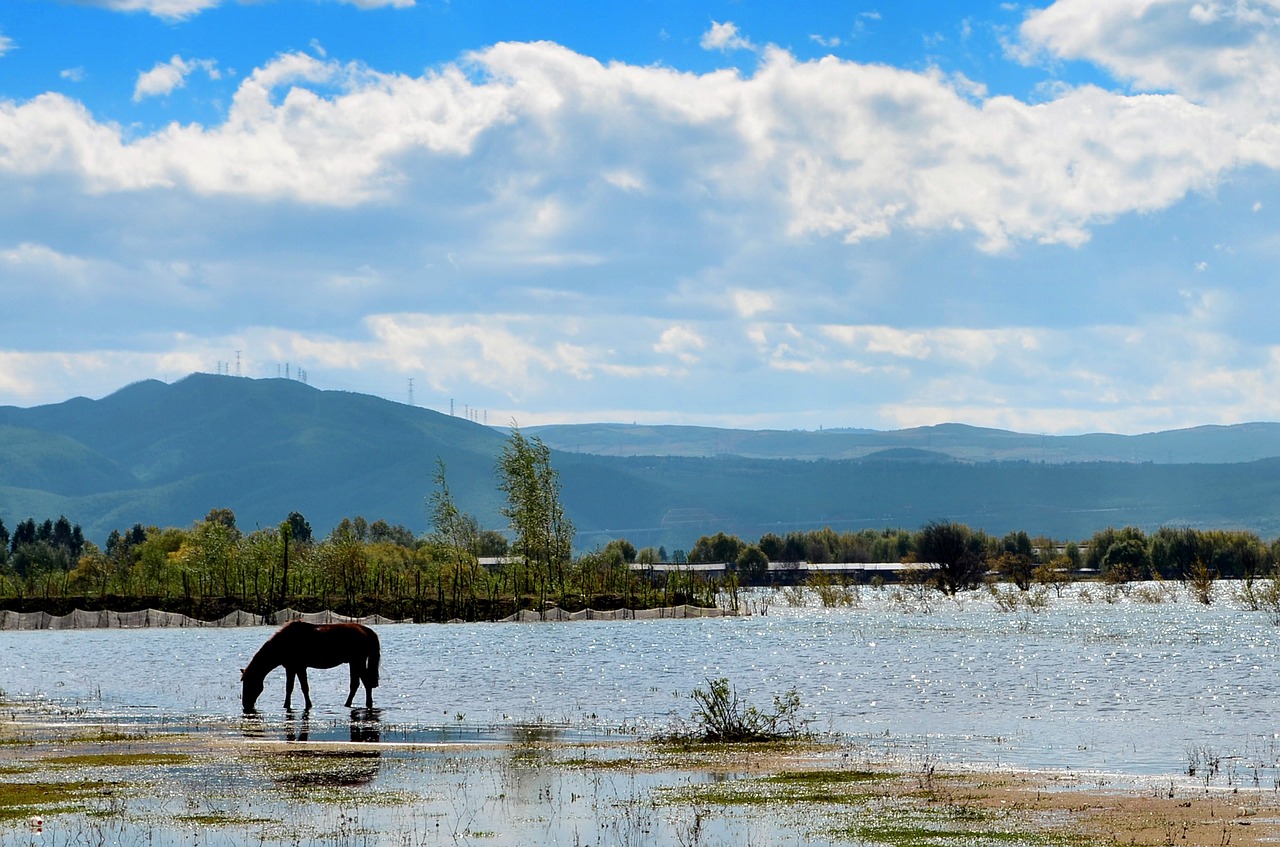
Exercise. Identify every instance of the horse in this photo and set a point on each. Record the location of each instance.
(299, 645)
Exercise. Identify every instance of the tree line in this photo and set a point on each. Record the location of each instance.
(460, 570)
(955, 557)
(457, 570)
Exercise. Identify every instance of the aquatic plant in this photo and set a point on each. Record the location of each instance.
(724, 717)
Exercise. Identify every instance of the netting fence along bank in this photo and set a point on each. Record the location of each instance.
(80, 619)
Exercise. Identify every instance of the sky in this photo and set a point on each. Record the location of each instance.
(1044, 217)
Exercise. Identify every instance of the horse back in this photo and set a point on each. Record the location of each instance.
(329, 645)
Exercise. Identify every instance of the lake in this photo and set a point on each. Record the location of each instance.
(1096, 681)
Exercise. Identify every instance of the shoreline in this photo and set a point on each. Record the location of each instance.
(181, 784)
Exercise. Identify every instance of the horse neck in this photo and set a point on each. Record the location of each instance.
(264, 661)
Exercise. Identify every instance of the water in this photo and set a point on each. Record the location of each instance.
(1123, 687)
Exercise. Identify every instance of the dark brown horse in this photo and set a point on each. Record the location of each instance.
(299, 645)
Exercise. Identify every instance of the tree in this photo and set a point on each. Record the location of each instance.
(1016, 560)
(752, 564)
(543, 535)
(23, 533)
(453, 530)
(492, 544)
(1120, 555)
(717, 548)
(625, 549)
(956, 550)
(226, 517)
(381, 532)
(299, 528)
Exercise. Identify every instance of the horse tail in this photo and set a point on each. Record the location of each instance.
(374, 662)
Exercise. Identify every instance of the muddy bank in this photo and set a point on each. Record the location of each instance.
(68, 780)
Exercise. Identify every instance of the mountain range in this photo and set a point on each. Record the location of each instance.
(165, 454)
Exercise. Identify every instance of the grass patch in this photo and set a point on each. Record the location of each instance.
(220, 819)
(909, 835)
(621, 764)
(106, 736)
(818, 787)
(841, 777)
(19, 799)
(953, 826)
(118, 760)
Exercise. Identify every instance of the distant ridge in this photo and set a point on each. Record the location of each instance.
(165, 454)
(1246, 442)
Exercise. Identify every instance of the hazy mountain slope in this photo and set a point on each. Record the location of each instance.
(32, 459)
(1206, 444)
(167, 454)
(257, 446)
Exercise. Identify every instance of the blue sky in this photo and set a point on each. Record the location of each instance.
(1050, 217)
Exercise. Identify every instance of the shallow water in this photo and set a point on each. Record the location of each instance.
(1123, 687)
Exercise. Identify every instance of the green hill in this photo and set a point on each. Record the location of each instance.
(166, 454)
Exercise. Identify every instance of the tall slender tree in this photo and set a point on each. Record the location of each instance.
(543, 534)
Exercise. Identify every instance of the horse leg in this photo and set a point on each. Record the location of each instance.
(288, 687)
(355, 684)
(302, 680)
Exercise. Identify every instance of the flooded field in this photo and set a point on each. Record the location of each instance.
(494, 733)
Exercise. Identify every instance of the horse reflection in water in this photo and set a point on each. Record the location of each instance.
(365, 727)
(299, 645)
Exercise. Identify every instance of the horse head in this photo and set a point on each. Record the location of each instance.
(251, 687)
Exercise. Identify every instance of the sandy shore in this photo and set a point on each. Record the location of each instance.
(65, 779)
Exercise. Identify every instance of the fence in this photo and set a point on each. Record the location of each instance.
(80, 619)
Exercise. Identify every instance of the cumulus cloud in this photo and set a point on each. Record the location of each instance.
(166, 77)
(168, 9)
(681, 342)
(177, 10)
(527, 220)
(1224, 53)
(725, 37)
(843, 149)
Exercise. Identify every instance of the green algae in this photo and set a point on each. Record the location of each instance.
(20, 799)
(118, 760)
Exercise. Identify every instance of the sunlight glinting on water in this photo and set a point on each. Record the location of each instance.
(1095, 680)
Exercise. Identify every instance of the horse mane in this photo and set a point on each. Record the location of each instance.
(265, 660)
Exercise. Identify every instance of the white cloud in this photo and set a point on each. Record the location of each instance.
(1222, 53)
(177, 10)
(749, 304)
(725, 38)
(682, 342)
(543, 230)
(847, 150)
(6, 44)
(28, 256)
(168, 9)
(381, 4)
(73, 74)
(168, 76)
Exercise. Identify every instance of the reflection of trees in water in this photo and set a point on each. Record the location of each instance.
(524, 776)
